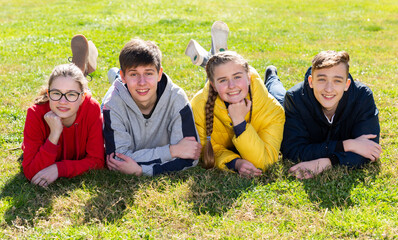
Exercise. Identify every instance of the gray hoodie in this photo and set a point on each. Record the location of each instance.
(147, 140)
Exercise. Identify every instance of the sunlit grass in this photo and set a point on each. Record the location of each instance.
(341, 203)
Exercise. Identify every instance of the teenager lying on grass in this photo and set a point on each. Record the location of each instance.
(149, 127)
(330, 118)
(239, 123)
(63, 129)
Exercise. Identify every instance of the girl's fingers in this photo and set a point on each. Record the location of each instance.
(42, 182)
(111, 164)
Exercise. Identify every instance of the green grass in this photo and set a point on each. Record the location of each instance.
(341, 203)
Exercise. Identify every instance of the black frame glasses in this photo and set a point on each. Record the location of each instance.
(63, 95)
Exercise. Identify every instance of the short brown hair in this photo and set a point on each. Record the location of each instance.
(327, 59)
(138, 52)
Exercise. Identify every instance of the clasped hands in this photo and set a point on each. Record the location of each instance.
(186, 148)
(362, 145)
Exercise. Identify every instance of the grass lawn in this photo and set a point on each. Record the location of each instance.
(198, 204)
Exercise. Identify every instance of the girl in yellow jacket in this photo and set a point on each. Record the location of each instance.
(239, 123)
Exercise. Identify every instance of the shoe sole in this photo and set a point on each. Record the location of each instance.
(269, 71)
(92, 57)
(219, 36)
(79, 45)
(193, 51)
(112, 74)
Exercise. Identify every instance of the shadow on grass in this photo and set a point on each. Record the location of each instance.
(106, 196)
(98, 190)
(333, 187)
(214, 192)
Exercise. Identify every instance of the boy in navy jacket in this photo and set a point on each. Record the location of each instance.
(330, 118)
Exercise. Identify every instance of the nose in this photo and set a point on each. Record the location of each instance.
(141, 80)
(63, 99)
(231, 83)
(329, 86)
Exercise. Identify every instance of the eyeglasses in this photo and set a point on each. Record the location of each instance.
(71, 96)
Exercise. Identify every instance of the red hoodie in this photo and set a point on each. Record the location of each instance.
(80, 146)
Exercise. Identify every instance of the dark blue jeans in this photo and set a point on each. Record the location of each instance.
(275, 88)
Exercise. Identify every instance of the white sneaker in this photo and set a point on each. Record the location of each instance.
(196, 52)
(112, 74)
(219, 37)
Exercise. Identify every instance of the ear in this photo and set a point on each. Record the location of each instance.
(347, 84)
(212, 84)
(160, 74)
(122, 76)
(83, 97)
(310, 81)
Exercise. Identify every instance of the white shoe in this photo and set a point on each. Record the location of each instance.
(196, 52)
(112, 74)
(219, 37)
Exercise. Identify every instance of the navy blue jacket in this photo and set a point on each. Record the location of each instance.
(309, 136)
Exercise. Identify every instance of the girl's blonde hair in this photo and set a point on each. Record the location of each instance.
(212, 64)
(64, 70)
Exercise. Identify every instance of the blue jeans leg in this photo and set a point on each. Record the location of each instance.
(110, 90)
(275, 88)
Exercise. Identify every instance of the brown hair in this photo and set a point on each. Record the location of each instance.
(138, 52)
(327, 59)
(64, 70)
(212, 64)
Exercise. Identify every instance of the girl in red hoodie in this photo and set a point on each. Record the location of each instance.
(63, 129)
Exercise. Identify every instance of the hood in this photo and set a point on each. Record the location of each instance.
(83, 108)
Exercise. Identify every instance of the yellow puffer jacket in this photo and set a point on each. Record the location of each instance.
(261, 140)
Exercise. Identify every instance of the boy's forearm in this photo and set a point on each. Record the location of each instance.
(347, 145)
(351, 159)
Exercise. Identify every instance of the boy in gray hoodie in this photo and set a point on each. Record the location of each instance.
(149, 127)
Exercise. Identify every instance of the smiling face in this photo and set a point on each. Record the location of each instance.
(66, 110)
(329, 85)
(142, 82)
(231, 82)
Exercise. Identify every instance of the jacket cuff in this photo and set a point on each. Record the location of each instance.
(147, 170)
(50, 147)
(240, 128)
(231, 165)
(165, 153)
(61, 169)
(334, 159)
(339, 147)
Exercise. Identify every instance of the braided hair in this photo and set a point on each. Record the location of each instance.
(214, 61)
(208, 155)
